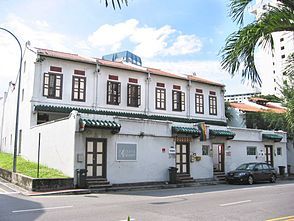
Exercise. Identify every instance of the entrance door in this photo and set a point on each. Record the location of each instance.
(182, 158)
(218, 157)
(96, 157)
(269, 154)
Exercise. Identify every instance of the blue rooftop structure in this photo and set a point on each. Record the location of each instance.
(124, 56)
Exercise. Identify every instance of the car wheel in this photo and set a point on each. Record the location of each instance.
(273, 179)
(250, 180)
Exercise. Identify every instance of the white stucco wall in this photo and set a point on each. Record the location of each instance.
(252, 137)
(96, 90)
(152, 163)
(57, 144)
(202, 169)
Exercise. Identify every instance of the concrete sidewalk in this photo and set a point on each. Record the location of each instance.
(132, 187)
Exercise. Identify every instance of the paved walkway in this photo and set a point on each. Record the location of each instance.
(9, 188)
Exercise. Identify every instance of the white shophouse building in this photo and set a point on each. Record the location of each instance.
(125, 123)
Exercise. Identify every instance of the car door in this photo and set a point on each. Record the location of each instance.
(266, 172)
(258, 173)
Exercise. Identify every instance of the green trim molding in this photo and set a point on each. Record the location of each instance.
(273, 137)
(100, 124)
(66, 109)
(222, 133)
(186, 130)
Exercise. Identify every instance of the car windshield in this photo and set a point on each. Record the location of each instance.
(246, 166)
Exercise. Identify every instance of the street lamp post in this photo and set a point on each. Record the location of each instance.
(18, 100)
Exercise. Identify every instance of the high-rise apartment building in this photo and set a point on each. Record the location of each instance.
(271, 63)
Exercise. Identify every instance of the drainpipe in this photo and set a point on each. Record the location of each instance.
(189, 99)
(147, 92)
(222, 103)
(96, 80)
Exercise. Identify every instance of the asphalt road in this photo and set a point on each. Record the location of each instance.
(219, 202)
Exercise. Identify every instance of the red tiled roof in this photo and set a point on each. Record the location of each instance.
(276, 109)
(66, 56)
(120, 65)
(205, 81)
(257, 99)
(164, 73)
(252, 108)
(246, 107)
(76, 57)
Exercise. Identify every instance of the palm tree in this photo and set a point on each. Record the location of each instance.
(116, 2)
(239, 49)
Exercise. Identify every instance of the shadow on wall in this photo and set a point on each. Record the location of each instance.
(12, 208)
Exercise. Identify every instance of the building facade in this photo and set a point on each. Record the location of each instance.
(272, 62)
(126, 123)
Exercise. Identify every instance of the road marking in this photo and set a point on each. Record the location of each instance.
(4, 184)
(39, 209)
(211, 191)
(181, 195)
(9, 193)
(235, 203)
(131, 219)
(3, 190)
(282, 218)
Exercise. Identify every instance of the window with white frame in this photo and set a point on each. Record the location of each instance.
(251, 151)
(126, 151)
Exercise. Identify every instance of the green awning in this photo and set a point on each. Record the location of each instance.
(222, 133)
(68, 109)
(186, 130)
(100, 124)
(274, 137)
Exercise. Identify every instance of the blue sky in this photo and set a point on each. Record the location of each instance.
(177, 36)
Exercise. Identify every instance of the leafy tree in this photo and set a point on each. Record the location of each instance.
(239, 49)
(116, 3)
(288, 93)
(269, 121)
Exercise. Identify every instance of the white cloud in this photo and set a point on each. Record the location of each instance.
(37, 32)
(112, 35)
(150, 41)
(185, 44)
(147, 41)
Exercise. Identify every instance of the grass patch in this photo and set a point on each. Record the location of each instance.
(28, 168)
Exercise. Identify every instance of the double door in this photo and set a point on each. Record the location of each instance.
(182, 158)
(269, 154)
(96, 157)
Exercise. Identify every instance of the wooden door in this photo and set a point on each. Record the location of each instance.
(182, 158)
(269, 155)
(96, 157)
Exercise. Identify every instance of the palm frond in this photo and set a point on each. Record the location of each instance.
(289, 69)
(116, 2)
(240, 46)
(237, 9)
